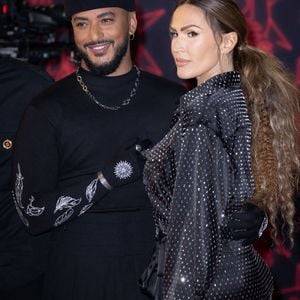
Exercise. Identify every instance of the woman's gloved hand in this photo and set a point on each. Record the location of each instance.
(248, 225)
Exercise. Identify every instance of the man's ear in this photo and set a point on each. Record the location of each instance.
(229, 41)
(132, 23)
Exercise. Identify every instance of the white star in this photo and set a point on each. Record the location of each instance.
(123, 170)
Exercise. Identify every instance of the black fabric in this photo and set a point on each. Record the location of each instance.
(151, 280)
(20, 264)
(132, 158)
(30, 291)
(246, 224)
(100, 256)
(64, 140)
(74, 6)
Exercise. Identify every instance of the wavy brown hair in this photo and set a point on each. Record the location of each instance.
(273, 102)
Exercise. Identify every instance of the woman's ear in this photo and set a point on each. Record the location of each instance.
(229, 41)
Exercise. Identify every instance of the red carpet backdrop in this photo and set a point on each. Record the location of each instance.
(274, 26)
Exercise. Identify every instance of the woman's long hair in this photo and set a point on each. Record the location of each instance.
(273, 102)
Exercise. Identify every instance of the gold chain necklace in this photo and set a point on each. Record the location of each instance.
(124, 103)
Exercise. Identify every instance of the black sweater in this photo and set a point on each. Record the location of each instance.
(65, 139)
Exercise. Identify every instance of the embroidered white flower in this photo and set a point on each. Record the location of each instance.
(123, 170)
(64, 217)
(85, 208)
(34, 211)
(19, 187)
(91, 190)
(66, 202)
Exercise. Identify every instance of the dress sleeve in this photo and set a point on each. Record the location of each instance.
(41, 203)
(234, 127)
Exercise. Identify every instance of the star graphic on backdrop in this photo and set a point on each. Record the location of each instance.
(143, 56)
(266, 35)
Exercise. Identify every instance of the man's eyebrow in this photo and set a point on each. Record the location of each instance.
(106, 14)
(102, 15)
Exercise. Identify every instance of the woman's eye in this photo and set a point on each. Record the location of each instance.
(192, 34)
(172, 34)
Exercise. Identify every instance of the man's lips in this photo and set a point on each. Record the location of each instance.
(98, 48)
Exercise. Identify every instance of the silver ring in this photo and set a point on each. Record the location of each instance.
(103, 181)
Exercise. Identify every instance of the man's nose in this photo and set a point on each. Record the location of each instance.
(95, 32)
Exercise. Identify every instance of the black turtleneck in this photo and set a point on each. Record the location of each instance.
(65, 138)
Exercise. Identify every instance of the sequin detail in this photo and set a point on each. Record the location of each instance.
(196, 177)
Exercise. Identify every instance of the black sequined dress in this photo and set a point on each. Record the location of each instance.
(196, 177)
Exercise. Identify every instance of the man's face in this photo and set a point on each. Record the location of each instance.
(102, 38)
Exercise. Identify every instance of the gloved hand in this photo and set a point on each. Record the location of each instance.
(126, 166)
(247, 225)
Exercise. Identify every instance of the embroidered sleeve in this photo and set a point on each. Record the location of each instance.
(41, 203)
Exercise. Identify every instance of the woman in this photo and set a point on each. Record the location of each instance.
(233, 137)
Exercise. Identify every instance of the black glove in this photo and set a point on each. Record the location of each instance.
(125, 167)
(143, 147)
(248, 224)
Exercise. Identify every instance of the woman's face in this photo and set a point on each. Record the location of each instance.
(193, 45)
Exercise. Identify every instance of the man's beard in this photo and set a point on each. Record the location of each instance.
(109, 67)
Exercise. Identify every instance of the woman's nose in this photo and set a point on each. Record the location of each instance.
(177, 45)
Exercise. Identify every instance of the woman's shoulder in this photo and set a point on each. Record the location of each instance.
(227, 96)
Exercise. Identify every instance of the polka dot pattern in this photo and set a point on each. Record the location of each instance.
(196, 177)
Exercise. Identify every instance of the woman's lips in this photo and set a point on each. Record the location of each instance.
(180, 62)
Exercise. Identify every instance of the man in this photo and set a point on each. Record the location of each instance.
(76, 169)
(20, 266)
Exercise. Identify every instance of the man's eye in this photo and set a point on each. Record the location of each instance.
(81, 25)
(107, 21)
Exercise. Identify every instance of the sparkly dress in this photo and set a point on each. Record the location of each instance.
(196, 177)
